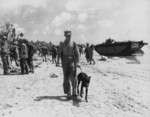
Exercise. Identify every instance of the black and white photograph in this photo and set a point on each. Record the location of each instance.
(74, 58)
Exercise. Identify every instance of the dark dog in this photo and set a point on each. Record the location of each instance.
(85, 79)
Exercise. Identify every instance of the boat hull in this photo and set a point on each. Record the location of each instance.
(119, 48)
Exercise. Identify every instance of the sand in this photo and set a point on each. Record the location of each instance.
(119, 87)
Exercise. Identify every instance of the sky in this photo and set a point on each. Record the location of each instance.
(91, 21)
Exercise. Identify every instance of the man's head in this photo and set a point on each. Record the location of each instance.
(21, 34)
(87, 44)
(68, 34)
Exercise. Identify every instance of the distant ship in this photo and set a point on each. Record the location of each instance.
(113, 48)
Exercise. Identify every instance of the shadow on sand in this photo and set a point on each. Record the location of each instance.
(75, 101)
(10, 74)
(132, 59)
(13, 74)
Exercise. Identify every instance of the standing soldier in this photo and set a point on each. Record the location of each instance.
(87, 49)
(31, 51)
(69, 53)
(54, 54)
(91, 54)
(44, 51)
(5, 55)
(14, 53)
(23, 58)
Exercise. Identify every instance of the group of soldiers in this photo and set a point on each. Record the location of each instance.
(20, 51)
(44, 52)
(14, 47)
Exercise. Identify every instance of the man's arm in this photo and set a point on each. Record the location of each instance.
(77, 54)
(59, 53)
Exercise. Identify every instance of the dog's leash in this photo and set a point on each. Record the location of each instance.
(79, 67)
(81, 70)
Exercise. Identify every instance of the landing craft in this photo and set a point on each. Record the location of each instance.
(113, 48)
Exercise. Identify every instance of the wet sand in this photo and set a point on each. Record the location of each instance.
(119, 87)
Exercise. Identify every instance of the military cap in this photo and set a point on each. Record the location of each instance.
(67, 32)
(21, 34)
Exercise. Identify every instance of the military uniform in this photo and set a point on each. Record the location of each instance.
(54, 54)
(69, 53)
(15, 53)
(23, 59)
(44, 53)
(87, 52)
(5, 56)
(91, 49)
(31, 50)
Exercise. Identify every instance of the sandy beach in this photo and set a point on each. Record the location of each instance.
(119, 87)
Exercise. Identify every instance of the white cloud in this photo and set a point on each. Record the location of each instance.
(13, 4)
(82, 17)
(82, 27)
(82, 39)
(57, 32)
(84, 5)
(35, 32)
(31, 22)
(139, 14)
(29, 11)
(20, 30)
(105, 23)
(16, 11)
(75, 5)
(15, 25)
(62, 18)
(46, 30)
(44, 23)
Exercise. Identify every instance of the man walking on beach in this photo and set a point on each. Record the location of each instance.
(69, 54)
(91, 49)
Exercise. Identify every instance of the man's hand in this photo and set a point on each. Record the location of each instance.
(78, 66)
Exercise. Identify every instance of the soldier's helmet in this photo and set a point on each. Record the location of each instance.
(67, 32)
